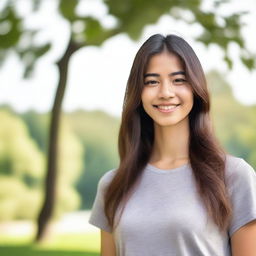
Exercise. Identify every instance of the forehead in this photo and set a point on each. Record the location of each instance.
(164, 61)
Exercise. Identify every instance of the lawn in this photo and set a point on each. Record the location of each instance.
(59, 245)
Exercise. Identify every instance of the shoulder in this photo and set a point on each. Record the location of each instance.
(237, 166)
(241, 185)
(106, 178)
(238, 171)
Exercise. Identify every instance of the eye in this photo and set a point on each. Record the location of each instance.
(179, 81)
(151, 82)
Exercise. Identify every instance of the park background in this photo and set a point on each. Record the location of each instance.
(64, 67)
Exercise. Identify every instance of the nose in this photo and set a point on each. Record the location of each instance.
(166, 90)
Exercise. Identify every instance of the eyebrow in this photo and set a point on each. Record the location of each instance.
(171, 74)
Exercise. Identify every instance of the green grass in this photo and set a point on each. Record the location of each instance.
(61, 245)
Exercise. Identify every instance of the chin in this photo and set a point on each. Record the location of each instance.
(166, 123)
(170, 122)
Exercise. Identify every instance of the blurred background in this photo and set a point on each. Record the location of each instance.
(63, 71)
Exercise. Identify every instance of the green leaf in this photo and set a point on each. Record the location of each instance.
(42, 50)
(228, 61)
(67, 9)
(12, 36)
(94, 33)
(249, 62)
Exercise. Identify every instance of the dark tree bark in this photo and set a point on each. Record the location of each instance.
(52, 168)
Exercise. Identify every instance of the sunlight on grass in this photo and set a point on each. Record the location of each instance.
(88, 242)
(66, 244)
(15, 239)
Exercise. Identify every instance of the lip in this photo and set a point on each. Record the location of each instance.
(166, 104)
(167, 110)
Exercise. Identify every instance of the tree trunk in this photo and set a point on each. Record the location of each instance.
(51, 175)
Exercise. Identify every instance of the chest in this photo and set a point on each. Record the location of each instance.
(169, 205)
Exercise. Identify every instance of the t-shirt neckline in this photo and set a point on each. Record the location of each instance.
(153, 168)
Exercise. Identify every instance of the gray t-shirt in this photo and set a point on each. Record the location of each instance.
(165, 216)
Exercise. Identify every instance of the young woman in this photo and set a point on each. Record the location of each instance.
(176, 191)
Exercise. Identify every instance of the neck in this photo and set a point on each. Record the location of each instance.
(171, 143)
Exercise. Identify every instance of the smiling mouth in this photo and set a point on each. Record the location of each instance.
(164, 107)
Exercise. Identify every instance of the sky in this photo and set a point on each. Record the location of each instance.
(97, 75)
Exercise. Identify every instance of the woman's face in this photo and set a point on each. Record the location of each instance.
(166, 97)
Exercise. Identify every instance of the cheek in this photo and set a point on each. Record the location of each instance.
(146, 101)
(190, 102)
(145, 97)
(188, 95)
(191, 98)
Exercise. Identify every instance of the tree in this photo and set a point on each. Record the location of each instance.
(101, 152)
(240, 140)
(21, 169)
(132, 16)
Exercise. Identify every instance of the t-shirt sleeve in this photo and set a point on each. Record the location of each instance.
(242, 189)
(98, 217)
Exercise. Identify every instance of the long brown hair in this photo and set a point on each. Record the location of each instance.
(136, 135)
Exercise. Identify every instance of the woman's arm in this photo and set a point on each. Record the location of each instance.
(243, 241)
(107, 244)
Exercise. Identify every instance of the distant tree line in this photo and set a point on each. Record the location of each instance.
(87, 149)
